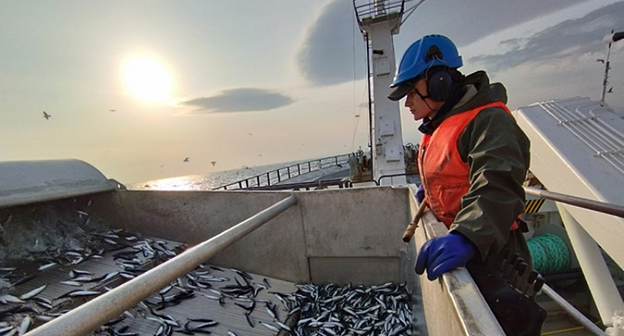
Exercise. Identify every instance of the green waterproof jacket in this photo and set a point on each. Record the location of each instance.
(497, 152)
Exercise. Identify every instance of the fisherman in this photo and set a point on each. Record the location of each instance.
(472, 159)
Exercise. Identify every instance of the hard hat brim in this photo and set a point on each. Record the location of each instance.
(400, 91)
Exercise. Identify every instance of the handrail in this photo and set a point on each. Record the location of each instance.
(318, 184)
(395, 175)
(283, 173)
(91, 315)
(578, 316)
(306, 185)
(608, 208)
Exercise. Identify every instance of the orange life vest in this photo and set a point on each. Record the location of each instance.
(445, 176)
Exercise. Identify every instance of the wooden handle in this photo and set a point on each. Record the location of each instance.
(411, 227)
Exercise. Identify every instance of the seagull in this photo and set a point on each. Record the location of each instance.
(46, 115)
(187, 159)
(113, 110)
(214, 162)
(600, 60)
(610, 90)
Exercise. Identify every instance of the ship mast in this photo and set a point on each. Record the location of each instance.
(379, 20)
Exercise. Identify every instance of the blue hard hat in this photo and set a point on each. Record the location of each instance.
(428, 52)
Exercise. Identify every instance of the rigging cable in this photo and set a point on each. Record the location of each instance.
(411, 11)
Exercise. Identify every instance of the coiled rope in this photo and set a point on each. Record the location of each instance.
(549, 253)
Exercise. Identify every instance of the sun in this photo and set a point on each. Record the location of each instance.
(148, 79)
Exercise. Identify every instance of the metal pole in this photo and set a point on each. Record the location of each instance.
(605, 80)
(572, 311)
(612, 209)
(371, 132)
(91, 315)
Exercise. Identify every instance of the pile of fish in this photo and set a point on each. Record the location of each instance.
(332, 310)
(78, 259)
(131, 253)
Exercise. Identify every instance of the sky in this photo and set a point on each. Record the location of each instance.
(135, 87)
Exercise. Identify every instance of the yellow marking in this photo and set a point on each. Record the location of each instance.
(532, 206)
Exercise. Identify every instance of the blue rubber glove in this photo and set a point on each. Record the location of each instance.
(442, 254)
(420, 194)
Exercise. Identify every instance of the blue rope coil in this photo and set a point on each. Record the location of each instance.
(549, 253)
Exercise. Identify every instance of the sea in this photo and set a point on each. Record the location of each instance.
(207, 181)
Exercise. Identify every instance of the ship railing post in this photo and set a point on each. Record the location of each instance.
(91, 315)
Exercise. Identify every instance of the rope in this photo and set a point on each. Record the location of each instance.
(549, 253)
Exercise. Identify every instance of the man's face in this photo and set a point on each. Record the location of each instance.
(418, 107)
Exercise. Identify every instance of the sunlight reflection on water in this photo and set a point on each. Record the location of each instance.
(205, 182)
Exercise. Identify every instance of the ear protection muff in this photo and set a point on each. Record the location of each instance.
(440, 85)
(439, 81)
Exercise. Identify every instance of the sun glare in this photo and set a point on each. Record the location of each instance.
(148, 79)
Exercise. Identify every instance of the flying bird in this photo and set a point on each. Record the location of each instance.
(610, 90)
(46, 115)
(214, 162)
(113, 110)
(187, 159)
(250, 134)
(600, 60)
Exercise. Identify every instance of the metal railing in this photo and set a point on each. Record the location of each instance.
(321, 184)
(611, 209)
(91, 315)
(588, 253)
(365, 9)
(282, 174)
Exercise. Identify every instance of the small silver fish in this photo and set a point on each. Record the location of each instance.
(33, 293)
(46, 266)
(269, 326)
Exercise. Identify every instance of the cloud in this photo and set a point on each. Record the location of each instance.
(569, 38)
(239, 100)
(467, 22)
(331, 47)
(333, 43)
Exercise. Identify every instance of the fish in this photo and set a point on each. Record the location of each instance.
(46, 266)
(6, 298)
(269, 326)
(25, 325)
(33, 293)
